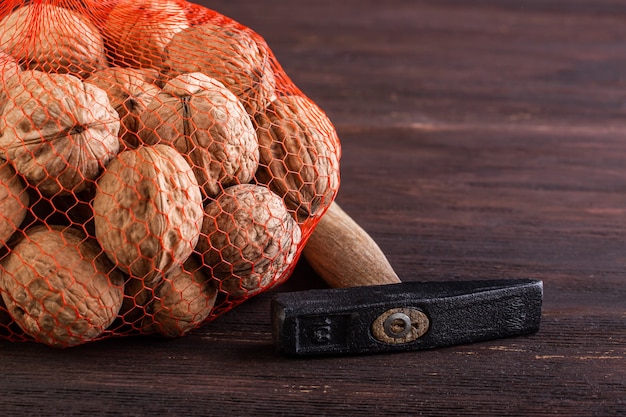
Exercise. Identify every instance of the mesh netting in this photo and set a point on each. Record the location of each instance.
(158, 168)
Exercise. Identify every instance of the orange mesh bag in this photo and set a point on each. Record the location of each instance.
(158, 168)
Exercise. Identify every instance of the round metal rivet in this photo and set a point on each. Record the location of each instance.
(399, 326)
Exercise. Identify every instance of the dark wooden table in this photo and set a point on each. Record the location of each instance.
(481, 139)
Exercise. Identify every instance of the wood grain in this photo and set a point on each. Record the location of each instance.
(481, 139)
(344, 255)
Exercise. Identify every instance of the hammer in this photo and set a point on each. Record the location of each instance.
(368, 309)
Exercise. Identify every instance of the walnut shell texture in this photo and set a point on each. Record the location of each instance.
(13, 201)
(139, 31)
(59, 288)
(299, 155)
(183, 300)
(229, 54)
(204, 121)
(53, 39)
(57, 131)
(148, 210)
(248, 239)
(9, 69)
(130, 91)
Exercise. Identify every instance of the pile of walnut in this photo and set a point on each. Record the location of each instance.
(151, 173)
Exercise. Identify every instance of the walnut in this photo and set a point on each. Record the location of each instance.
(203, 120)
(53, 39)
(248, 239)
(130, 90)
(299, 155)
(57, 131)
(59, 288)
(183, 300)
(238, 58)
(138, 31)
(148, 210)
(13, 202)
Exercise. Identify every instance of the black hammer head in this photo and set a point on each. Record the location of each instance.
(404, 317)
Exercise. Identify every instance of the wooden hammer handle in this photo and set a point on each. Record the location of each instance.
(345, 255)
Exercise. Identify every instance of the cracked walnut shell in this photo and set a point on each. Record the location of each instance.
(57, 131)
(204, 121)
(59, 288)
(53, 39)
(299, 155)
(148, 211)
(248, 239)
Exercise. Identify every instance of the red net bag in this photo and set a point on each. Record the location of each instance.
(158, 168)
